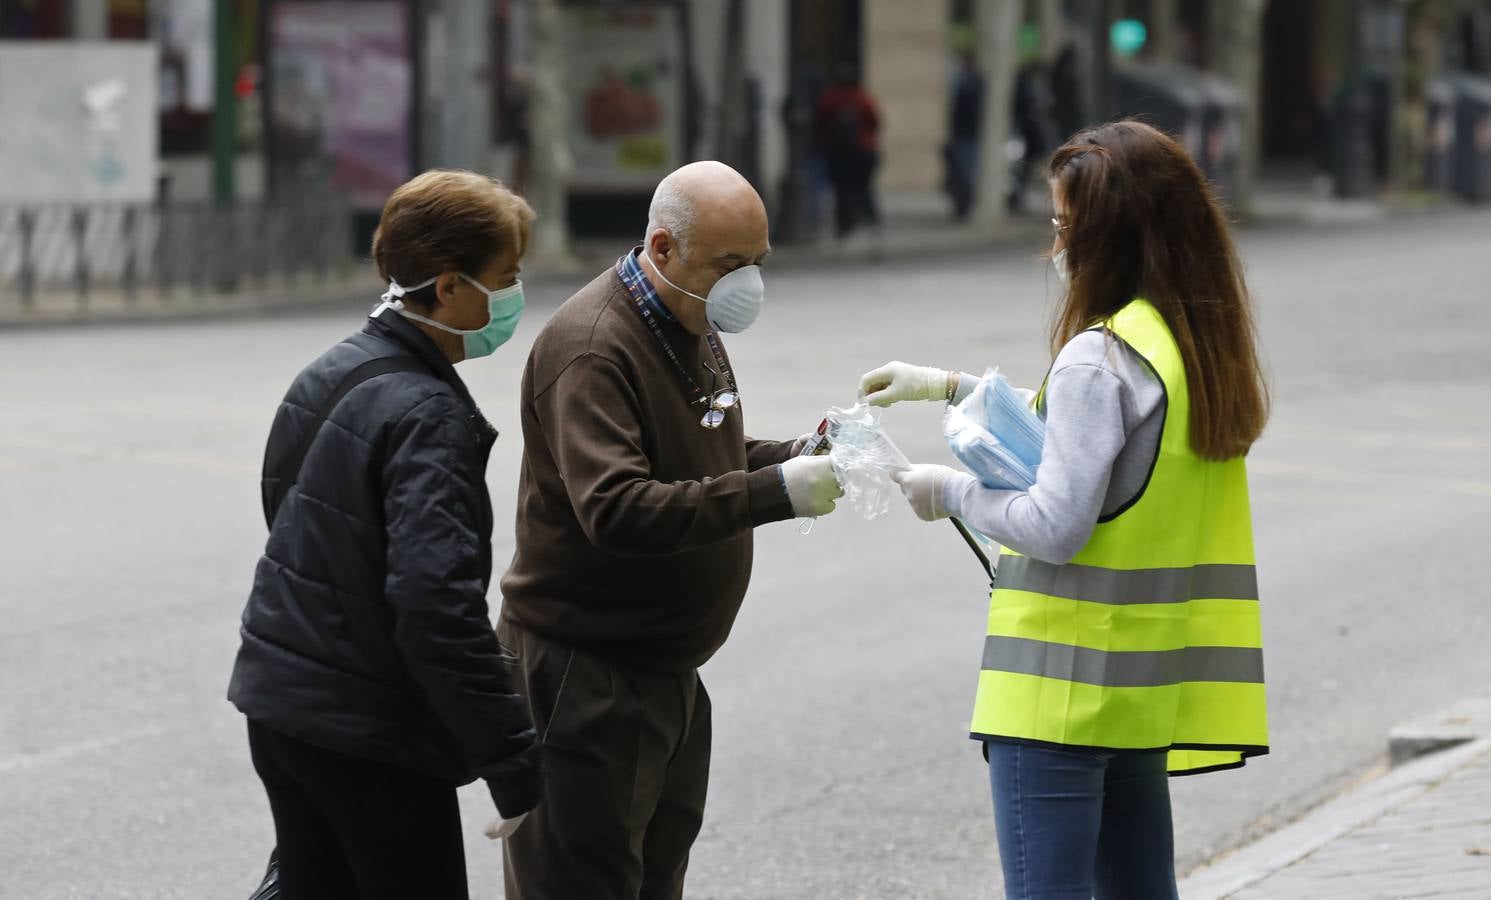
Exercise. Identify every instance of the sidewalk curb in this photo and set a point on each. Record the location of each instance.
(227, 307)
(591, 255)
(580, 266)
(1283, 848)
(1462, 723)
(937, 242)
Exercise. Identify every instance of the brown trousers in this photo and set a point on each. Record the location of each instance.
(626, 767)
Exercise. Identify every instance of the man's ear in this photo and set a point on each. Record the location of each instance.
(660, 245)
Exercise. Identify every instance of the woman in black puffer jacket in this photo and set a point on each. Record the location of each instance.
(369, 671)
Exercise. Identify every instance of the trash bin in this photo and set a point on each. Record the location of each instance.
(1354, 157)
(1202, 113)
(1472, 175)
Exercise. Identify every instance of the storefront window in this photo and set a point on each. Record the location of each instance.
(33, 19)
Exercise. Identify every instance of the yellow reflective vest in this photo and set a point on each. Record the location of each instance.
(1150, 638)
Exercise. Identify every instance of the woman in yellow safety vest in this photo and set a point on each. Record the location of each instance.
(1123, 642)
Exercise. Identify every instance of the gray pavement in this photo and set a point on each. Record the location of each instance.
(128, 465)
(1423, 830)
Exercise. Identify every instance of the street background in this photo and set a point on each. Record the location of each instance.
(187, 191)
(170, 155)
(129, 465)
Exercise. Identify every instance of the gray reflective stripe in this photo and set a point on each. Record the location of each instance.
(1119, 586)
(1133, 668)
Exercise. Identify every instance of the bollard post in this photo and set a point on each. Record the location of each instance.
(130, 274)
(263, 246)
(27, 277)
(196, 257)
(165, 269)
(226, 251)
(80, 250)
(160, 252)
(322, 242)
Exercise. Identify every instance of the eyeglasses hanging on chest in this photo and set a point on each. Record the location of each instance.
(719, 401)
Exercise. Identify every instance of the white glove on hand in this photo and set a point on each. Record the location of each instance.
(500, 828)
(812, 485)
(922, 486)
(897, 381)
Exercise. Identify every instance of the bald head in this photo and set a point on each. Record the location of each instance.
(707, 202)
(705, 221)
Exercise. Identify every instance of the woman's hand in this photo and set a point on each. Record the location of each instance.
(897, 381)
(922, 485)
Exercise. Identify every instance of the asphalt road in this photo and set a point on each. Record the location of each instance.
(130, 526)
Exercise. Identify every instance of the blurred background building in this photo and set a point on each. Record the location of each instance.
(284, 123)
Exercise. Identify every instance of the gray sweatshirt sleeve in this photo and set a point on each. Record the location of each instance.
(1085, 432)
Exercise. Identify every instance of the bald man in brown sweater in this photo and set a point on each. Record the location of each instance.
(638, 495)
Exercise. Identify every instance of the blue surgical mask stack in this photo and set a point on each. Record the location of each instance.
(996, 435)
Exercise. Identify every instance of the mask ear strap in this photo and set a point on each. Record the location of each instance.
(394, 295)
(658, 269)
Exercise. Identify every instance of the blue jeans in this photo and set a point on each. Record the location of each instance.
(1077, 824)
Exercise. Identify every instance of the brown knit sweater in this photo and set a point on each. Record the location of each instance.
(634, 523)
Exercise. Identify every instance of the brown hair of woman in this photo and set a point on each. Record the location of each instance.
(1140, 220)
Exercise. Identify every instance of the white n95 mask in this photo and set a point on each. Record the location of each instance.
(735, 301)
(1058, 262)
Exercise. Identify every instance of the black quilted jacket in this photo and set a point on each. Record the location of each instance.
(367, 630)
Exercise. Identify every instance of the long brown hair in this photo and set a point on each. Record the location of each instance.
(1141, 221)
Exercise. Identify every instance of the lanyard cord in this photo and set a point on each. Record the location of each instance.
(657, 332)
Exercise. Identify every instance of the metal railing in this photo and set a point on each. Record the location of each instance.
(55, 255)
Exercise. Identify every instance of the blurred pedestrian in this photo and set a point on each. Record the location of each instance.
(636, 504)
(1123, 635)
(1066, 90)
(517, 124)
(1034, 126)
(965, 122)
(369, 671)
(848, 129)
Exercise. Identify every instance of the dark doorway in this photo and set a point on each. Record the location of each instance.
(1294, 92)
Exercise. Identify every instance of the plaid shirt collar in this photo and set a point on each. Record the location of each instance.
(629, 270)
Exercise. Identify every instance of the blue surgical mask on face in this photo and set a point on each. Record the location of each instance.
(504, 309)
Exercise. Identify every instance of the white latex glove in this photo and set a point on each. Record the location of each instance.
(812, 485)
(897, 381)
(501, 828)
(922, 485)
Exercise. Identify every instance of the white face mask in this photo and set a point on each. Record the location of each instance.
(735, 301)
(1058, 262)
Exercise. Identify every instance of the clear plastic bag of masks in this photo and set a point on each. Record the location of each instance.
(864, 457)
(996, 434)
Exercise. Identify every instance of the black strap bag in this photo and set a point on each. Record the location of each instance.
(286, 476)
